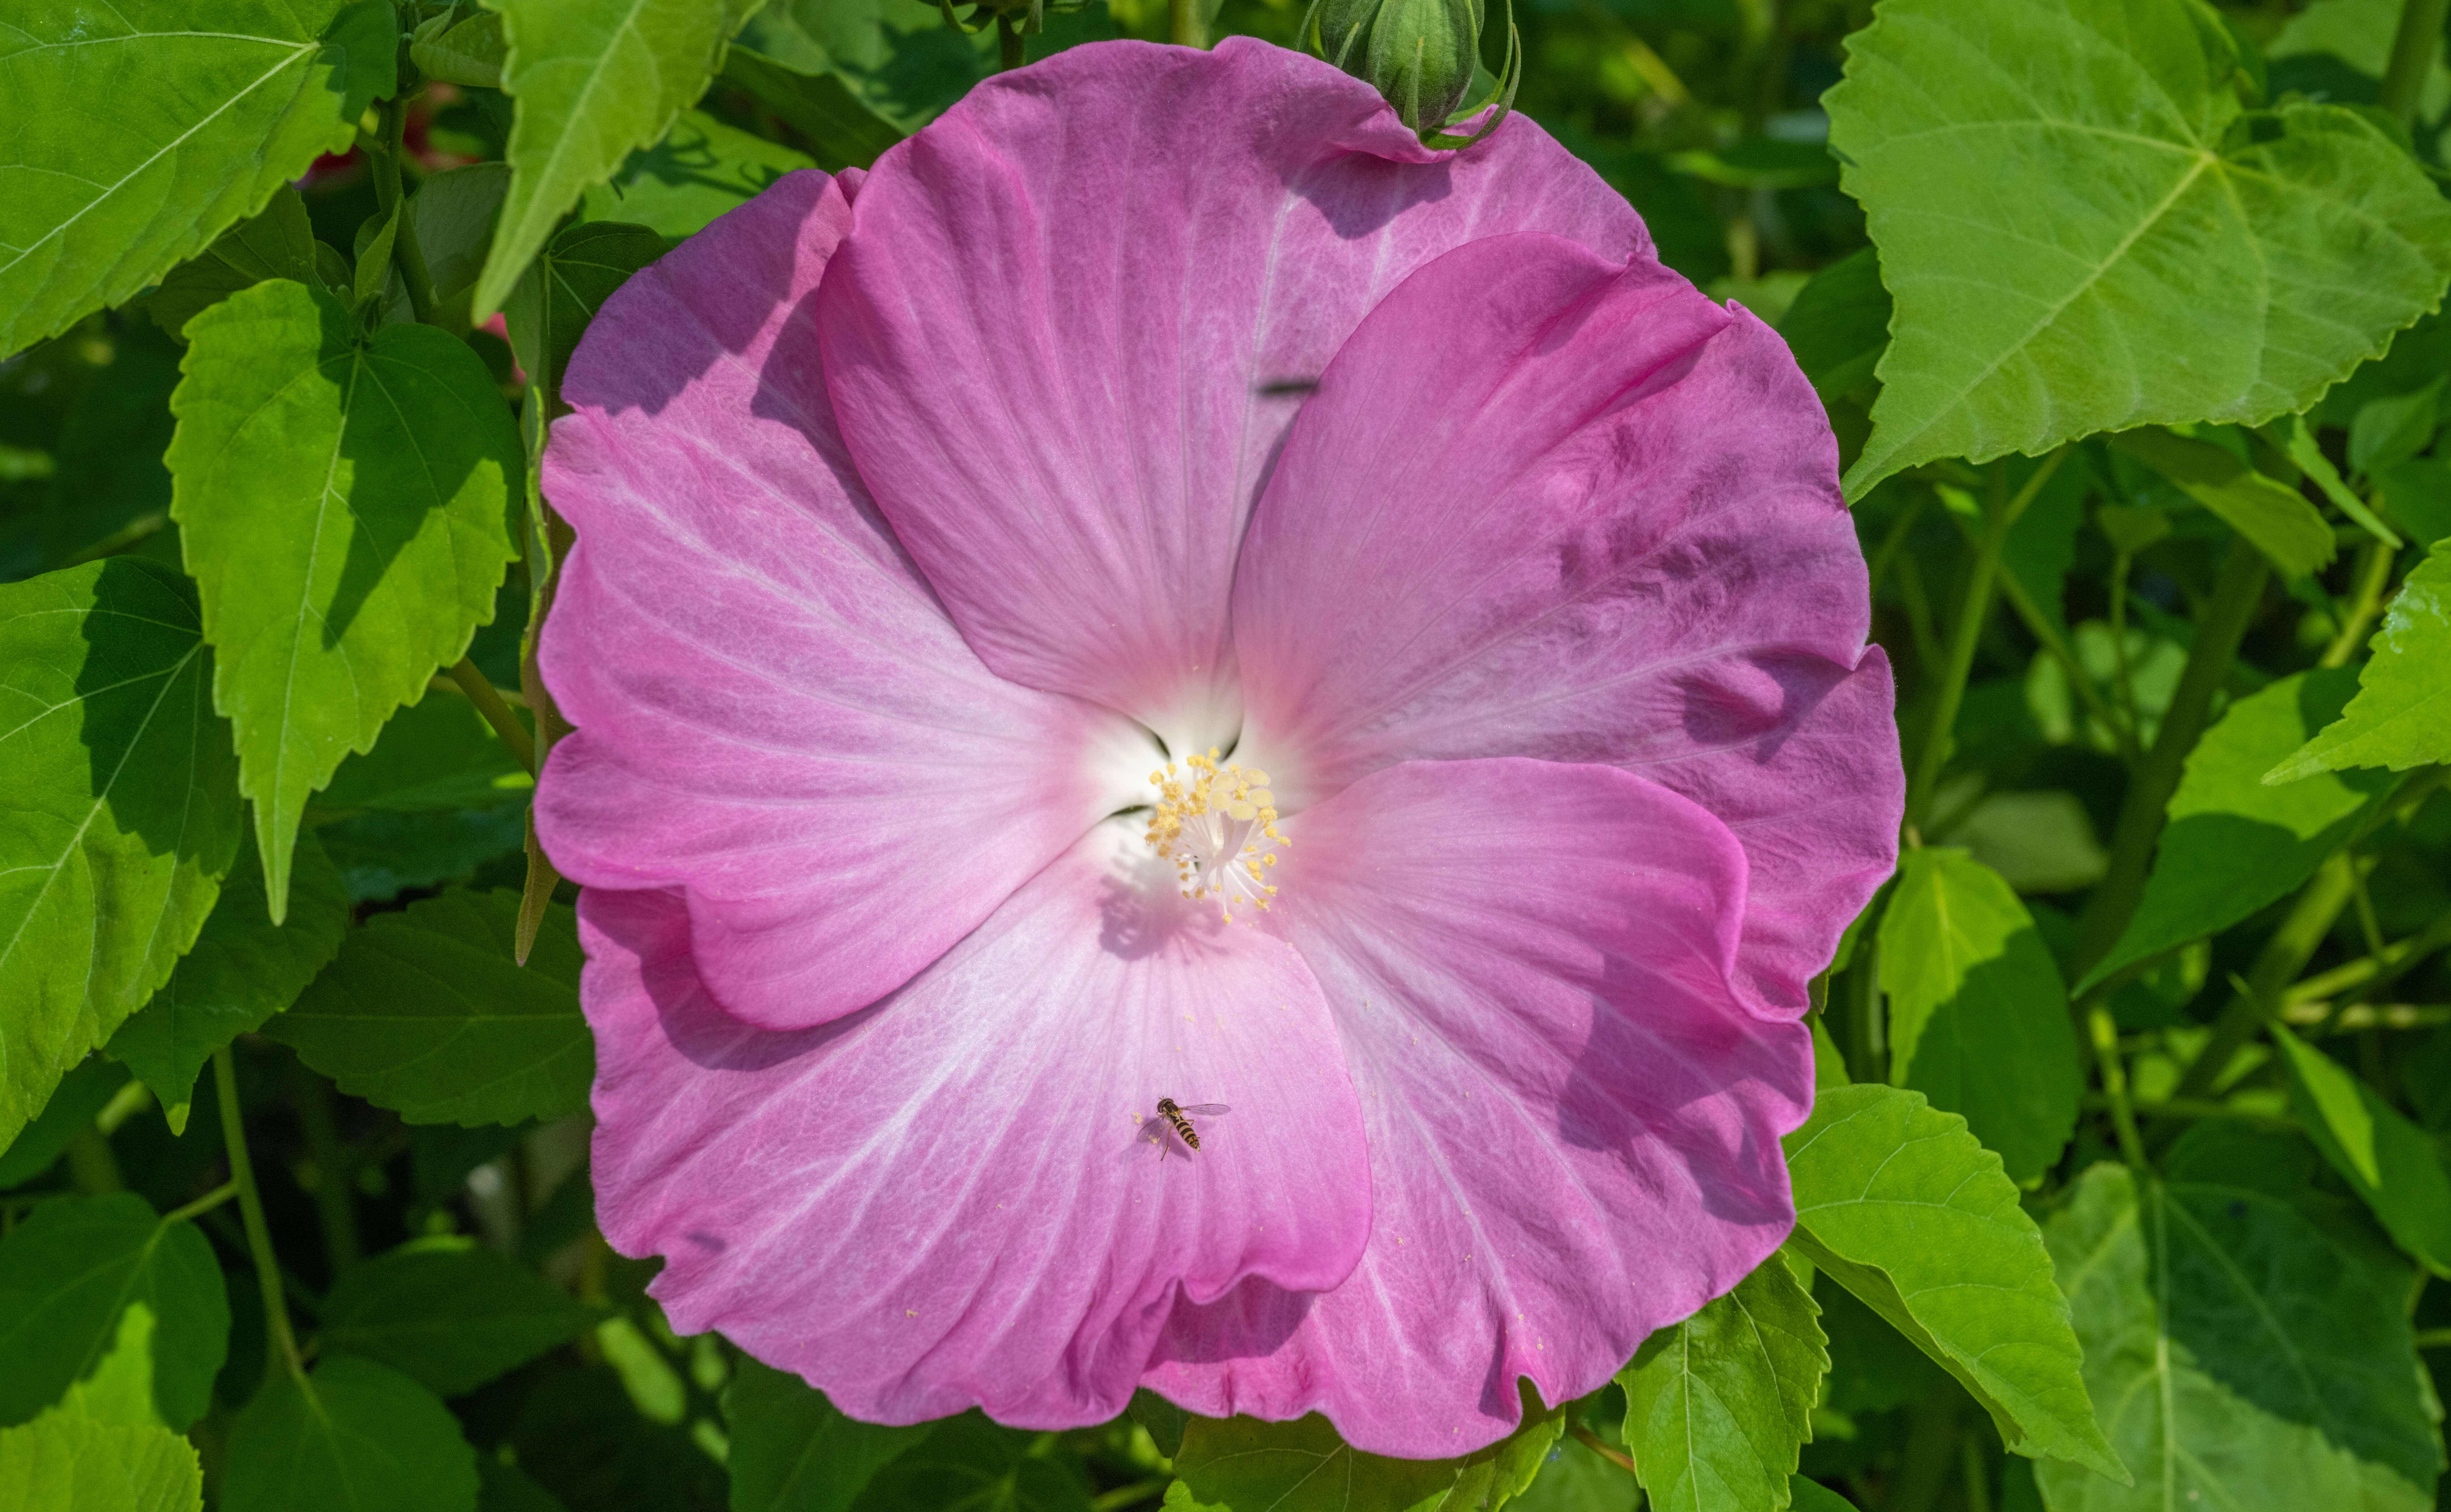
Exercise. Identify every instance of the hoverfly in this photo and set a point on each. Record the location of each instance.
(1180, 1117)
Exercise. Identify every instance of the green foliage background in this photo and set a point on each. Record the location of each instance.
(2127, 1188)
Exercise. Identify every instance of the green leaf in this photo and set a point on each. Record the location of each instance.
(701, 169)
(1575, 1480)
(970, 1464)
(353, 1434)
(1978, 1014)
(64, 1464)
(120, 811)
(381, 853)
(345, 506)
(1303, 1467)
(1905, 1209)
(593, 82)
(1716, 1406)
(121, 1387)
(2287, 529)
(278, 244)
(1164, 1421)
(81, 1094)
(448, 1314)
(2246, 1337)
(2113, 239)
(71, 1269)
(1839, 324)
(2234, 844)
(1812, 1496)
(199, 130)
(900, 66)
(437, 754)
(454, 214)
(244, 969)
(470, 53)
(507, 1488)
(2389, 431)
(793, 1451)
(2041, 546)
(820, 107)
(2401, 715)
(565, 287)
(424, 1013)
(2395, 1166)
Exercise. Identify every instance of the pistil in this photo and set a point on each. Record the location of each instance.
(1218, 825)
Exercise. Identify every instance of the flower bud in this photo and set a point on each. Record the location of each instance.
(1418, 53)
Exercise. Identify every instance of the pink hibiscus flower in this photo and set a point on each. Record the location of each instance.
(1153, 403)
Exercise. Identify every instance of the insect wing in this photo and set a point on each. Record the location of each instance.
(1204, 1110)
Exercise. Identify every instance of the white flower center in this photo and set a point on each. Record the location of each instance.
(1218, 825)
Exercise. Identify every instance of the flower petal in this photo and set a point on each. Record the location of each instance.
(774, 713)
(952, 1200)
(1552, 505)
(1075, 314)
(1574, 1121)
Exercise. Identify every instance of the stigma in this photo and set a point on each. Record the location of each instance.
(1218, 825)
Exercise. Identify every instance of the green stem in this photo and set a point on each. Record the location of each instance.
(1601, 1446)
(1009, 52)
(203, 1204)
(2433, 1337)
(2414, 46)
(496, 713)
(2237, 592)
(281, 1351)
(93, 1169)
(2277, 965)
(2374, 571)
(2114, 1085)
(334, 1208)
(1964, 637)
(405, 253)
(2192, 1108)
(2056, 645)
(1184, 24)
(2370, 974)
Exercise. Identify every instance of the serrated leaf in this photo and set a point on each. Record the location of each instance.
(2246, 1342)
(820, 107)
(701, 169)
(793, 1451)
(593, 83)
(354, 1434)
(567, 284)
(68, 1274)
(2396, 1167)
(468, 52)
(2234, 844)
(2289, 531)
(448, 1314)
(202, 128)
(65, 1464)
(1716, 1406)
(437, 754)
(424, 1013)
(2401, 715)
(119, 817)
(244, 969)
(1978, 1014)
(2390, 430)
(279, 243)
(119, 1388)
(1897, 1203)
(1303, 1467)
(2085, 229)
(1812, 1496)
(345, 502)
